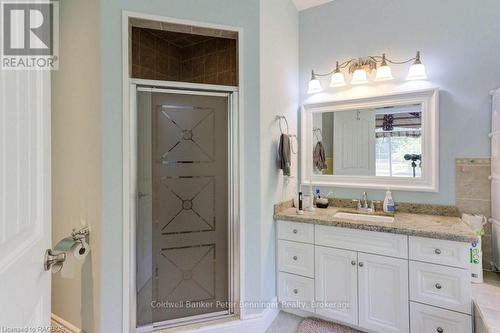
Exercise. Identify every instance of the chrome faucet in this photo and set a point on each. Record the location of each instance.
(363, 206)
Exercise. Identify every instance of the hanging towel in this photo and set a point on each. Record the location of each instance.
(319, 157)
(284, 154)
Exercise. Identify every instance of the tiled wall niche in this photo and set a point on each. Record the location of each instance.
(473, 195)
(172, 52)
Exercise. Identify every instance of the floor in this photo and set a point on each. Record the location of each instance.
(284, 323)
(487, 303)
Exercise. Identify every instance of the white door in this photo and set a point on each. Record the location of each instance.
(25, 227)
(337, 284)
(383, 293)
(354, 143)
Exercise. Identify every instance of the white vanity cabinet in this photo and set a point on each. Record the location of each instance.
(374, 281)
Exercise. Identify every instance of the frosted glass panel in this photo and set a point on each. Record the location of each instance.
(182, 226)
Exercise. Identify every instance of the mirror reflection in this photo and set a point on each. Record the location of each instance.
(384, 141)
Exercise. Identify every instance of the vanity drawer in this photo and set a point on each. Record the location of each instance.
(439, 251)
(296, 291)
(296, 258)
(429, 319)
(383, 243)
(442, 286)
(296, 231)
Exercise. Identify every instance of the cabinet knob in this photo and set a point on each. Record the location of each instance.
(438, 286)
(361, 264)
(295, 258)
(295, 231)
(439, 330)
(353, 263)
(437, 251)
(295, 291)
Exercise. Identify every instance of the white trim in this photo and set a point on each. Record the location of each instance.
(255, 323)
(58, 323)
(429, 182)
(183, 85)
(183, 92)
(128, 85)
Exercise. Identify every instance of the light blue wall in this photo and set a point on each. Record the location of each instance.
(279, 96)
(242, 13)
(460, 44)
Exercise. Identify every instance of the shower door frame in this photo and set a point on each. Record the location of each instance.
(234, 195)
(237, 170)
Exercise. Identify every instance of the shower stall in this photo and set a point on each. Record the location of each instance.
(186, 205)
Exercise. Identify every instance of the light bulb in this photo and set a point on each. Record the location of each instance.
(417, 70)
(314, 85)
(338, 79)
(359, 76)
(384, 73)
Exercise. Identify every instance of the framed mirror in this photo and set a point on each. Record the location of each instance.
(387, 141)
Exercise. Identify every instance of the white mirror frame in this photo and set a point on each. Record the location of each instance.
(429, 182)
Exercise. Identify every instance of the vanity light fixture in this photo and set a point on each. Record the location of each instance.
(360, 68)
(384, 72)
(417, 70)
(338, 79)
(314, 85)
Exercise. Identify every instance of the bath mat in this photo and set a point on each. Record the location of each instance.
(315, 325)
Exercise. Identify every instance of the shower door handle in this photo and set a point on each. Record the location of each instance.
(141, 195)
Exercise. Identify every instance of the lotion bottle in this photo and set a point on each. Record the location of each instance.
(389, 206)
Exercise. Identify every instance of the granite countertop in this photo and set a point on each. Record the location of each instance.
(421, 225)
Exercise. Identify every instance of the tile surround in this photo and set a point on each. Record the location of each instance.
(473, 195)
(177, 56)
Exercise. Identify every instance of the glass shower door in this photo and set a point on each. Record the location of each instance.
(182, 227)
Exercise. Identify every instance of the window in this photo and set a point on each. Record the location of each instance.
(391, 148)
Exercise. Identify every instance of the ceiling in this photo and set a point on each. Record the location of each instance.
(304, 4)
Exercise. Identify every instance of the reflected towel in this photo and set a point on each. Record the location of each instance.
(284, 154)
(319, 158)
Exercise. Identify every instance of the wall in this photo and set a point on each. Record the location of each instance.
(460, 44)
(242, 13)
(279, 96)
(76, 160)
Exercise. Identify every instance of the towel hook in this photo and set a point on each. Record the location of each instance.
(315, 131)
(286, 123)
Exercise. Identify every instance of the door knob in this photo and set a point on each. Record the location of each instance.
(353, 263)
(295, 291)
(438, 286)
(295, 258)
(361, 264)
(437, 251)
(295, 231)
(54, 261)
(439, 330)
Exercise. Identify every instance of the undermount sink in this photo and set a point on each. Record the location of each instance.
(364, 217)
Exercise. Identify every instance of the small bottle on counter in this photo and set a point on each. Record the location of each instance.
(300, 210)
(389, 206)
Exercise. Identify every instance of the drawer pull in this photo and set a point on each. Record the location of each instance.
(295, 291)
(353, 263)
(439, 330)
(438, 286)
(295, 258)
(437, 251)
(361, 264)
(295, 231)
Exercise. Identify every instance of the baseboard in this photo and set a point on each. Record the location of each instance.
(63, 325)
(257, 323)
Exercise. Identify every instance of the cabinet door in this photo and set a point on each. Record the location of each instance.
(383, 293)
(336, 284)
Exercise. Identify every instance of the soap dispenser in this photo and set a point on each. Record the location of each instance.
(389, 206)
